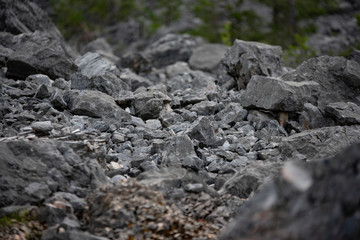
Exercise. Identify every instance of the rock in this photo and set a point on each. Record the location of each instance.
(205, 108)
(319, 143)
(333, 77)
(32, 171)
(203, 131)
(248, 179)
(176, 69)
(246, 59)
(194, 188)
(207, 57)
(40, 79)
(344, 113)
(170, 49)
(276, 94)
(302, 199)
(29, 52)
(352, 74)
(92, 64)
(57, 100)
(42, 127)
(94, 104)
(194, 80)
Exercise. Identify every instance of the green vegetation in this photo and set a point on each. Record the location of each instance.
(19, 217)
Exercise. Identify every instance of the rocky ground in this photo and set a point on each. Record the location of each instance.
(184, 140)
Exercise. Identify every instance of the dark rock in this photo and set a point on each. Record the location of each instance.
(258, 119)
(61, 84)
(276, 94)
(29, 52)
(319, 143)
(312, 117)
(94, 104)
(246, 59)
(344, 113)
(57, 100)
(31, 171)
(133, 80)
(207, 57)
(177, 150)
(205, 108)
(170, 49)
(305, 201)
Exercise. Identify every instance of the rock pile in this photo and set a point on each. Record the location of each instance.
(199, 139)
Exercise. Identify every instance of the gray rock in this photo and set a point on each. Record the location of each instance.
(133, 80)
(170, 49)
(40, 79)
(344, 113)
(94, 104)
(194, 188)
(276, 94)
(207, 57)
(61, 84)
(246, 59)
(258, 120)
(135, 61)
(198, 80)
(101, 46)
(352, 74)
(205, 108)
(333, 79)
(176, 69)
(57, 100)
(319, 143)
(29, 52)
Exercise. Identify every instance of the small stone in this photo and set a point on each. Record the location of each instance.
(194, 187)
(42, 92)
(42, 127)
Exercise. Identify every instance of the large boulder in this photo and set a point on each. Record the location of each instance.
(245, 59)
(338, 79)
(319, 143)
(319, 200)
(344, 113)
(32, 170)
(275, 94)
(33, 53)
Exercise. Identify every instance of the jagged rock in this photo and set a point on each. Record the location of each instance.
(42, 92)
(205, 108)
(333, 76)
(92, 64)
(246, 59)
(319, 143)
(94, 104)
(101, 46)
(29, 52)
(344, 113)
(302, 201)
(258, 119)
(170, 49)
(107, 83)
(31, 171)
(276, 94)
(248, 179)
(207, 57)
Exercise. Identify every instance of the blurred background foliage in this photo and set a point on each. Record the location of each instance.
(279, 22)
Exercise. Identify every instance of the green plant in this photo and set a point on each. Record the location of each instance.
(226, 34)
